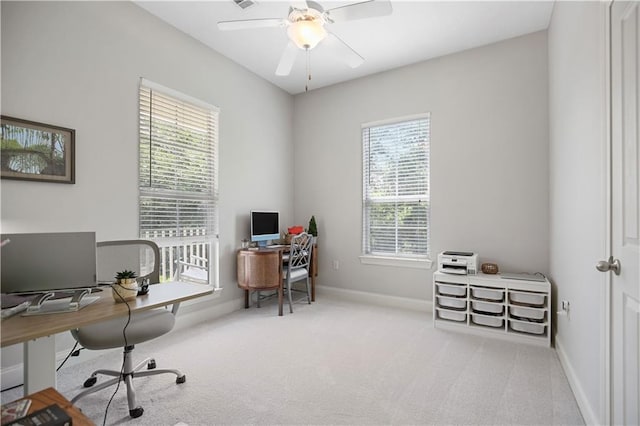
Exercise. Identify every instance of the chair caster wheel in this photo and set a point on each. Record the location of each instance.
(136, 412)
(151, 364)
(181, 379)
(90, 382)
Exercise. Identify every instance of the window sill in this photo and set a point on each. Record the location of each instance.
(396, 261)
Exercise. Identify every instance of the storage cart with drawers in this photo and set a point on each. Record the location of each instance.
(493, 306)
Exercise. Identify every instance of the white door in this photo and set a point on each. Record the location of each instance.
(625, 213)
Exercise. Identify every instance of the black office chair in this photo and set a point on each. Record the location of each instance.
(142, 257)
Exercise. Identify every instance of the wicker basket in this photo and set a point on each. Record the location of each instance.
(489, 268)
(287, 238)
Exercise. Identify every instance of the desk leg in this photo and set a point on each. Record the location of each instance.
(280, 299)
(313, 288)
(39, 364)
(246, 299)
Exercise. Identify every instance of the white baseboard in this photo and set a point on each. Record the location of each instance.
(205, 310)
(589, 416)
(13, 375)
(375, 298)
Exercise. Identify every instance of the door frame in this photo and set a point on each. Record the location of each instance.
(606, 320)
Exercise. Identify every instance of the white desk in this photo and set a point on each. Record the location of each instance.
(37, 333)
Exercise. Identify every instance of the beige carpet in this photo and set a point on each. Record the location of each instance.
(335, 362)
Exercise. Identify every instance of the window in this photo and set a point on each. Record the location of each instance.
(179, 182)
(395, 206)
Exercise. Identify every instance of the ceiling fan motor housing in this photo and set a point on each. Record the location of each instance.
(306, 27)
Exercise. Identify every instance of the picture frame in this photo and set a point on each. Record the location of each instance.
(36, 151)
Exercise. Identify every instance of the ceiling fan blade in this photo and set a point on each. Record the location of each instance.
(287, 59)
(344, 51)
(365, 9)
(299, 4)
(250, 23)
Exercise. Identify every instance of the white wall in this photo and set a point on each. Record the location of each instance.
(489, 161)
(577, 111)
(78, 65)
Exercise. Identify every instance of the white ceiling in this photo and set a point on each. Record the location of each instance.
(414, 32)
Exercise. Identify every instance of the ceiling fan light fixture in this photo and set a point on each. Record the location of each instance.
(306, 33)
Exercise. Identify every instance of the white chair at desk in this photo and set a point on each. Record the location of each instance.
(298, 266)
(133, 255)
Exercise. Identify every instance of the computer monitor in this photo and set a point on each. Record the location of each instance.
(265, 226)
(47, 262)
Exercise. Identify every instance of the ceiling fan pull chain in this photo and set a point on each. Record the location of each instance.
(306, 86)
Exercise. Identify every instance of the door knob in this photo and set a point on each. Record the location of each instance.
(609, 265)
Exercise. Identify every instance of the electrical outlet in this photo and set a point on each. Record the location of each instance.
(564, 308)
(336, 265)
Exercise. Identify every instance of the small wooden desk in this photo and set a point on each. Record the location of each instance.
(49, 396)
(38, 332)
(261, 269)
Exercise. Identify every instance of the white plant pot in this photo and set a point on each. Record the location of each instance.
(124, 290)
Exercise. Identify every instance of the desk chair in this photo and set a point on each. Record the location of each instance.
(142, 257)
(299, 265)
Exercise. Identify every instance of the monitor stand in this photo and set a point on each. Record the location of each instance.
(42, 305)
(262, 244)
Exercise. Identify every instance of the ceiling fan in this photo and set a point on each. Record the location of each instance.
(306, 27)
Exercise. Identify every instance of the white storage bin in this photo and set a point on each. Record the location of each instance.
(486, 307)
(487, 321)
(528, 313)
(452, 315)
(529, 299)
(487, 294)
(528, 327)
(452, 290)
(447, 302)
(441, 277)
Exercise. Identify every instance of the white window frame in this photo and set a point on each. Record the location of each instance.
(207, 240)
(421, 261)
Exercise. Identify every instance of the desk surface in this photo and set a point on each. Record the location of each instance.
(49, 396)
(18, 329)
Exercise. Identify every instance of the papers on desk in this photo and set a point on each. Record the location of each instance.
(15, 410)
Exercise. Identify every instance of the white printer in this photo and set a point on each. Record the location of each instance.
(458, 262)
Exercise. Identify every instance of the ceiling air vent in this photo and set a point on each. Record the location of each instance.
(244, 4)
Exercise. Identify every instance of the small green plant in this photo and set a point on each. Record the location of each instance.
(122, 275)
(313, 228)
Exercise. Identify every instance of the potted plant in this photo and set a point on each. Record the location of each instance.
(313, 229)
(125, 287)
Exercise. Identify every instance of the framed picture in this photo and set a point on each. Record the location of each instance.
(37, 151)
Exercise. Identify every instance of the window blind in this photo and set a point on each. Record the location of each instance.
(396, 187)
(178, 166)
